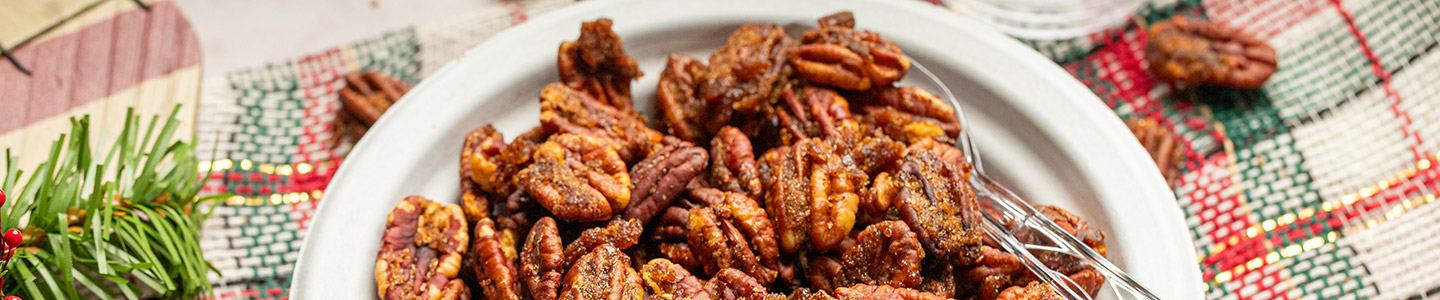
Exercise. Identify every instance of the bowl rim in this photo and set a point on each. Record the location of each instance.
(1076, 119)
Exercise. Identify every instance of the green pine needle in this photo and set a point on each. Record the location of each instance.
(138, 236)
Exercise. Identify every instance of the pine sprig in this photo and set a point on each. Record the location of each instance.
(122, 226)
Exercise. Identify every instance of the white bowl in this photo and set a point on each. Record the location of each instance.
(1041, 131)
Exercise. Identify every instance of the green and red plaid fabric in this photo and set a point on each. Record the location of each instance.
(1318, 185)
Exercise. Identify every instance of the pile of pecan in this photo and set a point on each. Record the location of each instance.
(776, 169)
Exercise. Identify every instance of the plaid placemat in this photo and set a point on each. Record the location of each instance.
(1318, 185)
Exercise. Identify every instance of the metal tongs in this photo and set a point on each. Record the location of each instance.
(1020, 229)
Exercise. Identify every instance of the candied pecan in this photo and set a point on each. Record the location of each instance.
(876, 202)
(661, 177)
(1034, 291)
(597, 64)
(748, 232)
(542, 260)
(811, 195)
(667, 280)
(1159, 141)
(733, 163)
(839, 19)
(939, 279)
(1202, 52)
(367, 95)
(886, 253)
(680, 253)
(566, 110)
(909, 114)
(577, 178)
(479, 163)
(807, 294)
(935, 200)
(838, 55)
(733, 284)
(604, 273)
(498, 277)
(810, 112)
(871, 151)
(745, 73)
(421, 251)
(687, 115)
(866, 291)
(719, 245)
(618, 233)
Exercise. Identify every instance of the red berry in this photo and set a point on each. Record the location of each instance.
(7, 254)
(2, 202)
(13, 297)
(13, 237)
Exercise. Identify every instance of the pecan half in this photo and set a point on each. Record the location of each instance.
(745, 73)
(577, 178)
(810, 112)
(1201, 52)
(734, 284)
(1034, 291)
(620, 234)
(542, 260)
(866, 291)
(662, 176)
(478, 163)
(870, 150)
(811, 194)
(421, 251)
(732, 231)
(733, 163)
(566, 110)
(367, 95)
(885, 253)
(838, 55)
(935, 200)
(597, 64)
(909, 114)
(604, 273)
(498, 277)
(686, 115)
(1159, 141)
(667, 280)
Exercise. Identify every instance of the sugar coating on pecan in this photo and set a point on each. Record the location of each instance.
(733, 166)
(421, 251)
(810, 112)
(667, 280)
(1034, 291)
(866, 291)
(597, 64)
(936, 202)
(661, 177)
(619, 233)
(870, 150)
(886, 253)
(542, 260)
(838, 55)
(566, 110)
(1201, 52)
(604, 273)
(577, 178)
(745, 73)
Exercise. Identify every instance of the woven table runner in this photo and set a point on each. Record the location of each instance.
(1318, 185)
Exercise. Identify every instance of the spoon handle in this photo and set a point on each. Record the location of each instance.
(1022, 230)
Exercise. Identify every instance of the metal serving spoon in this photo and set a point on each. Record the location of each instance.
(1020, 229)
